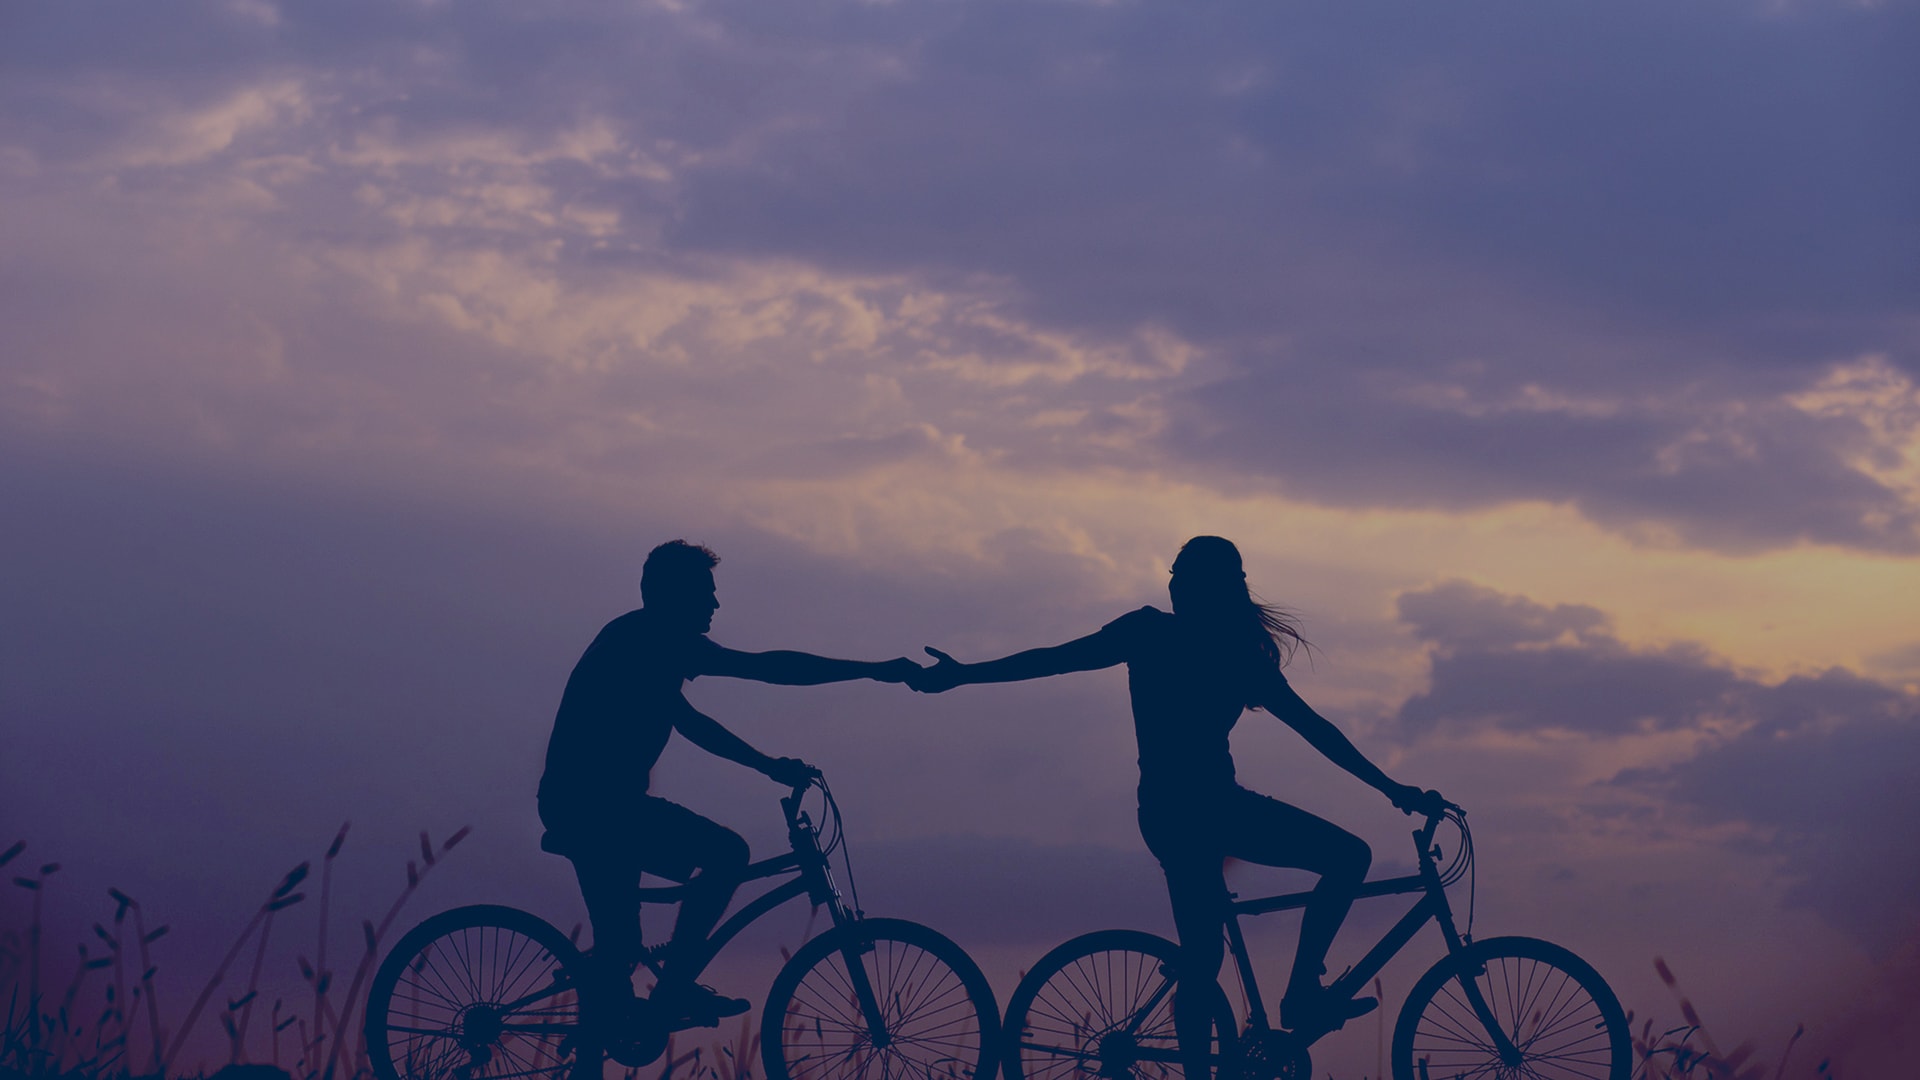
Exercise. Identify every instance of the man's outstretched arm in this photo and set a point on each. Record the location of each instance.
(788, 667)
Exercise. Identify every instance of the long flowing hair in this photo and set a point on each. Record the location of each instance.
(1212, 564)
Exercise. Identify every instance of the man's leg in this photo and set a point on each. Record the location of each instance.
(1273, 833)
(599, 841)
(712, 860)
(610, 885)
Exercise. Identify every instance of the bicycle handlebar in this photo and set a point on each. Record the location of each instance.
(1436, 808)
(809, 780)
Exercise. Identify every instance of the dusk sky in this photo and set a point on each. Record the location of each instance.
(1558, 364)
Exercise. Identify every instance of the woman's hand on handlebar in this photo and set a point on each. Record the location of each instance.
(792, 772)
(1413, 800)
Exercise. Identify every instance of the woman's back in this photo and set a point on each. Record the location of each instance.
(1188, 686)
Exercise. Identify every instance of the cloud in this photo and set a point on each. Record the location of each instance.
(1508, 662)
(1837, 803)
(1820, 773)
(1724, 469)
(1460, 615)
(1505, 256)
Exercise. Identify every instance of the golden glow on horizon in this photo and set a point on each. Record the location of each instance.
(1789, 612)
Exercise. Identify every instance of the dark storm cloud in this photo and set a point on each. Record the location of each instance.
(1822, 770)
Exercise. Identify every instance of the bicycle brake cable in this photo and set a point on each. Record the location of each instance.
(1473, 873)
(839, 843)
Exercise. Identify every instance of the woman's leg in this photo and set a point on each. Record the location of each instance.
(1197, 887)
(1199, 907)
(1273, 833)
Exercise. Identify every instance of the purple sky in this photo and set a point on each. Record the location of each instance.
(1560, 365)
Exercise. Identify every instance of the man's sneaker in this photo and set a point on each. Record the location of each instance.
(700, 1004)
(1322, 1010)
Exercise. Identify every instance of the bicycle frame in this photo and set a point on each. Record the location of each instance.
(811, 878)
(1432, 906)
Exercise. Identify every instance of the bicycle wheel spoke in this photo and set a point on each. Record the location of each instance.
(474, 994)
(1547, 1004)
(933, 1024)
(1096, 1005)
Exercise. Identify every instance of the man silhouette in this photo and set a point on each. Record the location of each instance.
(621, 704)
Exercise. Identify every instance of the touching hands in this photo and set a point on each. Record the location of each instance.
(898, 670)
(945, 674)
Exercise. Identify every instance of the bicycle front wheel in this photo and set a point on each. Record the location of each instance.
(879, 998)
(1101, 1006)
(1556, 1015)
(478, 993)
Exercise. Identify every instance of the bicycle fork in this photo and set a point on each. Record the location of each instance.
(1469, 979)
(853, 954)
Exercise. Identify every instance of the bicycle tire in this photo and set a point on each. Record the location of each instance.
(434, 1010)
(940, 1019)
(1554, 1007)
(1069, 1017)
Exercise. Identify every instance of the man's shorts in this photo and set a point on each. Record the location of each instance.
(645, 834)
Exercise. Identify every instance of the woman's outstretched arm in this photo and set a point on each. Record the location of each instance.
(1096, 650)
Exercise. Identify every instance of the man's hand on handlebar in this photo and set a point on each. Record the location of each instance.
(1412, 800)
(791, 771)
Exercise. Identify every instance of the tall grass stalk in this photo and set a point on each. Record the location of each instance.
(1672, 1054)
(147, 971)
(372, 935)
(45, 1038)
(283, 897)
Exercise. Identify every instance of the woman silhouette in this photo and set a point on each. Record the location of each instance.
(1191, 673)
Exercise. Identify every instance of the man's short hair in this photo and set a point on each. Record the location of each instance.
(673, 567)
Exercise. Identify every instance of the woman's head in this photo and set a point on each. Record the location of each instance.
(1209, 584)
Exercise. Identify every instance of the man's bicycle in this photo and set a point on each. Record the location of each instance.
(495, 993)
(1101, 1005)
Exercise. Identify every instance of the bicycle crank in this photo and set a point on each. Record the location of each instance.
(1272, 1055)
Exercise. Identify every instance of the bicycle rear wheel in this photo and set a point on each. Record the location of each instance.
(937, 1018)
(1101, 1005)
(1557, 1013)
(478, 993)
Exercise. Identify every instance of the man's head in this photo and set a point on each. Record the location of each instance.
(676, 583)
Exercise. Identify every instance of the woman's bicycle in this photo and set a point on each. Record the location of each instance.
(495, 993)
(1101, 1005)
